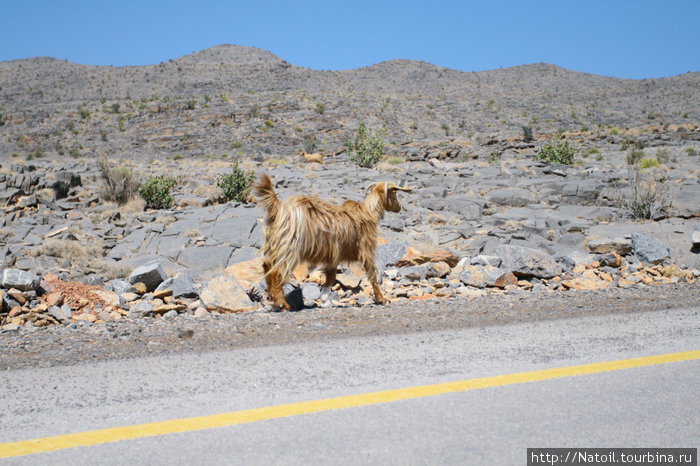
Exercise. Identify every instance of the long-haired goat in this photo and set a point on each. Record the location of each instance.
(306, 229)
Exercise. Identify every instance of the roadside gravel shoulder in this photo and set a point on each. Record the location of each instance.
(61, 345)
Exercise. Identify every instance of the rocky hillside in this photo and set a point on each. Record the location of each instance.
(229, 100)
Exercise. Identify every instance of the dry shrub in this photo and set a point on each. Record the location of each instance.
(649, 197)
(68, 249)
(119, 184)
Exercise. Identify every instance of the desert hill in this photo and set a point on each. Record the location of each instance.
(229, 98)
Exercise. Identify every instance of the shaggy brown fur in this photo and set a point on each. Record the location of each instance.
(306, 229)
(317, 158)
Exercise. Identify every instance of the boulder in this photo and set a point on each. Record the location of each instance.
(140, 309)
(389, 253)
(483, 259)
(528, 262)
(150, 275)
(225, 294)
(481, 276)
(514, 197)
(619, 245)
(649, 249)
(19, 279)
(119, 286)
(182, 286)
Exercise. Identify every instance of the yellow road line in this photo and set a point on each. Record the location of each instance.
(114, 434)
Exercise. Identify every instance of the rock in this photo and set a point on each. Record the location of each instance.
(483, 259)
(110, 298)
(9, 196)
(611, 259)
(150, 275)
(413, 273)
(389, 253)
(181, 287)
(528, 262)
(62, 314)
(65, 180)
(514, 197)
(649, 249)
(140, 309)
(119, 286)
(19, 279)
(310, 291)
(695, 238)
(564, 261)
(621, 246)
(54, 299)
(438, 270)
(225, 294)
(205, 257)
(481, 276)
(248, 271)
(583, 283)
(139, 288)
(440, 255)
(349, 280)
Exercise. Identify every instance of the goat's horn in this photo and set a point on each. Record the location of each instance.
(370, 187)
(405, 188)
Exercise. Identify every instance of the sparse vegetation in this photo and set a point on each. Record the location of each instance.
(156, 192)
(527, 133)
(365, 149)
(320, 108)
(691, 152)
(236, 184)
(118, 183)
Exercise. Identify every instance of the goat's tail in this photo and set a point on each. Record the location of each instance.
(266, 197)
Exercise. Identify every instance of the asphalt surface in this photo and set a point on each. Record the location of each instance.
(646, 406)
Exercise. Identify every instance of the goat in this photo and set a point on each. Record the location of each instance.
(306, 229)
(318, 158)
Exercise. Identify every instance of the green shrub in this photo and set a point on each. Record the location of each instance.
(648, 162)
(560, 153)
(115, 107)
(690, 151)
(235, 185)
(83, 112)
(118, 183)
(156, 192)
(178, 157)
(662, 156)
(395, 160)
(527, 133)
(320, 108)
(365, 149)
(634, 156)
(310, 144)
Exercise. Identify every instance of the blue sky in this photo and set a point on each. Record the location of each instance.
(622, 38)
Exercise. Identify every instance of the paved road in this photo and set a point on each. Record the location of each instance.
(645, 406)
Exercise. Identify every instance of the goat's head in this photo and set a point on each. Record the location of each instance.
(386, 192)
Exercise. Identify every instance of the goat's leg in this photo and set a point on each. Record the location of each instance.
(273, 279)
(326, 289)
(371, 272)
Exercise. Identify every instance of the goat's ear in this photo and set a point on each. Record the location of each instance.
(393, 187)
